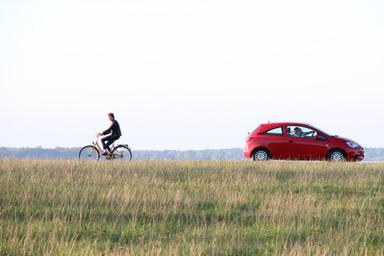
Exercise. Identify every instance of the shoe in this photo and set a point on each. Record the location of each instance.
(105, 153)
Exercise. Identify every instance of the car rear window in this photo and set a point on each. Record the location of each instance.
(274, 131)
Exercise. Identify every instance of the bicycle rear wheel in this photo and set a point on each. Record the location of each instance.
(122, 153)
(89, 153)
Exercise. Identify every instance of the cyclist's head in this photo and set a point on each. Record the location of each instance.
(111, 116)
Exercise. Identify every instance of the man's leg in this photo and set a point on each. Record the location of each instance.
(106, 142)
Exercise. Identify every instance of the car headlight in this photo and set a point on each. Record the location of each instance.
(352, 144)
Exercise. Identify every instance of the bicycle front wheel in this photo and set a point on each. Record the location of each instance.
(122, 152)
(89, 153)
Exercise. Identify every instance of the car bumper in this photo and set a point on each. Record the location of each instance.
(247, 152)
(355, 155)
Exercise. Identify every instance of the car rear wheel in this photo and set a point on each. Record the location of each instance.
(336, 156)
(260, 155)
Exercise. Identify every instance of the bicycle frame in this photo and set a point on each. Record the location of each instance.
(99, 145)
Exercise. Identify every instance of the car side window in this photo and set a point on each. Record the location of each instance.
(301, 132)
(275, 131)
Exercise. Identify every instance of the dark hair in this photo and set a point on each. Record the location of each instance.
(112, 115)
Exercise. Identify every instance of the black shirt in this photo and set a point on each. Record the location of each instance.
(114, 129)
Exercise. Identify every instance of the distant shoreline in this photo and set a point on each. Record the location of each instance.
(372, 154)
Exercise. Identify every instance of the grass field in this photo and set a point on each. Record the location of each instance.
(191, 208)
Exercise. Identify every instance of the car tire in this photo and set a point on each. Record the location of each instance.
(337, 156)
(260, 155)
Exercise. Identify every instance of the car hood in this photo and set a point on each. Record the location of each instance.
(342, 139)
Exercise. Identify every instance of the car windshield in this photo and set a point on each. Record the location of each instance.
(321, 131)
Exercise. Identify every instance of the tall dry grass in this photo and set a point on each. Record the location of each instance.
(190, 208)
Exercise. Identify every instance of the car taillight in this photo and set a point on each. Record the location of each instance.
(248, 139)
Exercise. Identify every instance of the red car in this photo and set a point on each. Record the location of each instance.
(297, 141)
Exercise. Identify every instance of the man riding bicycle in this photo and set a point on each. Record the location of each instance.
(114, 134)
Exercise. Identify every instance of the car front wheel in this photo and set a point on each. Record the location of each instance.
(336, 156)
(260, 155)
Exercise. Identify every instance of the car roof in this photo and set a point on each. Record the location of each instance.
(276, 124)
(268, 126)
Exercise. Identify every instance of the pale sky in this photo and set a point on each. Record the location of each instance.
(188, 74)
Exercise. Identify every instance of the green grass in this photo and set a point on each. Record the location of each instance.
(190, 208)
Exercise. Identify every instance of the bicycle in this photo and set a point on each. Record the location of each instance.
(92, 152)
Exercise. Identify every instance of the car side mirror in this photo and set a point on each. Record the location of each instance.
(319, 137)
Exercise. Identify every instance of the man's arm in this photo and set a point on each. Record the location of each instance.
(109, 130)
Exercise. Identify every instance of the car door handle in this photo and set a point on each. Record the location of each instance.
(290, 141)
